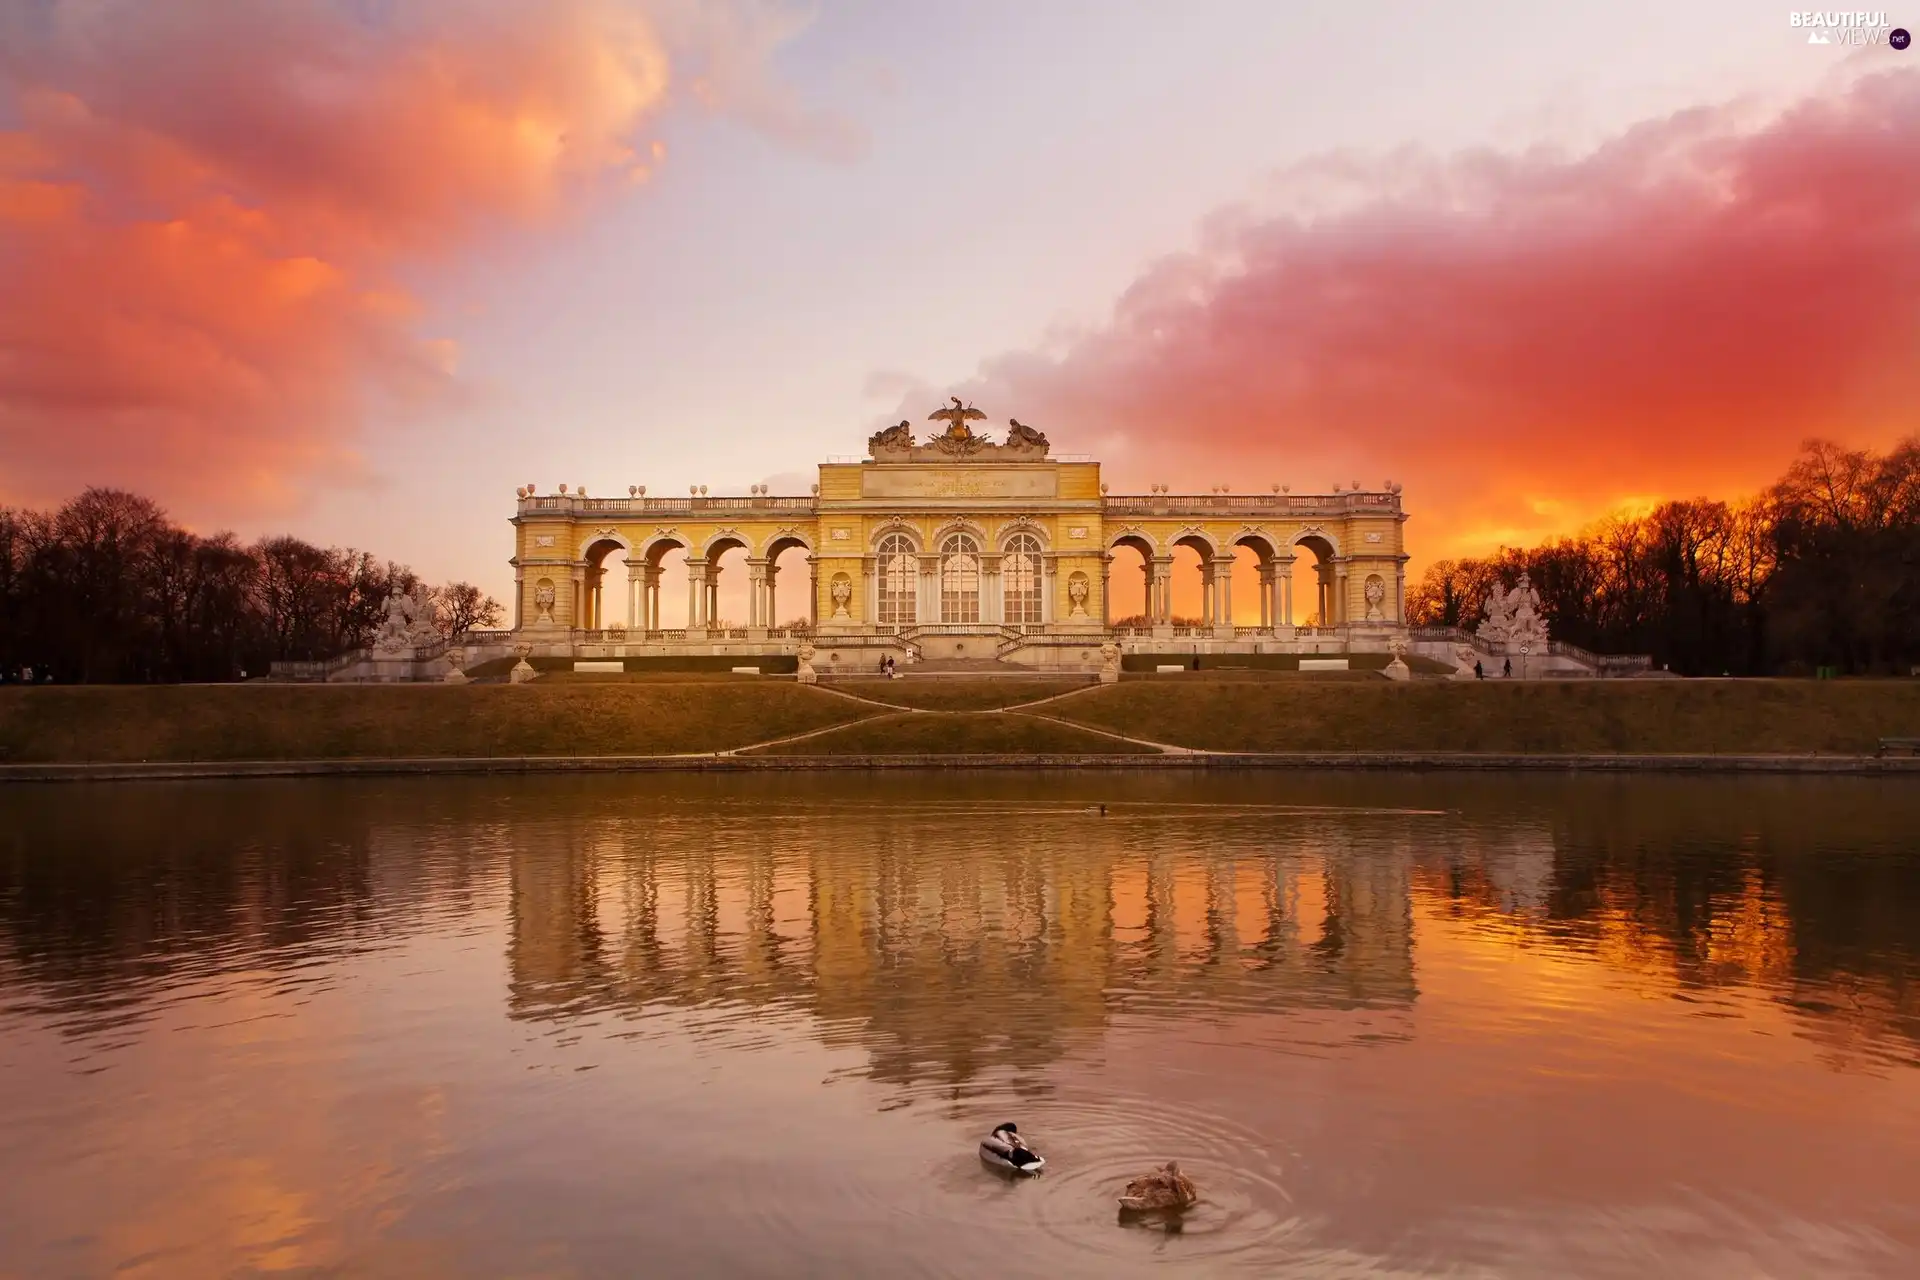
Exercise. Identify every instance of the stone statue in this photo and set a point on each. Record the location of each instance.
(425, 629)
(1078, 589)
(543, 601)
(456, 664)
(522, 670)
(393, 634)
(1514, 619)
(958, 438)
(1376, 596)
(1109, 662)
(898, 436)
(1464, 658)
(806, 673)
(842, 592)
(1022, 436)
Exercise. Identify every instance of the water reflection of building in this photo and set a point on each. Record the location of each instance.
(935, 949)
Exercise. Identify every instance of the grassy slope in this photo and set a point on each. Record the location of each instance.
(957, 695)
(1606, 716)
(282, 722)
(954, 734)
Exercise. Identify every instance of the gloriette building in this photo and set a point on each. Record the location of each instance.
(962, 546)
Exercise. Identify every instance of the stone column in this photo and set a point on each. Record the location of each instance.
(1266, 597)
(696, 599)
(579, 609)
(1049, 587)
(757, 600)
(1223, 596)
(1340, 592)
(1162, 596)
(519, 597)
(1106, 577)
(1400, 593)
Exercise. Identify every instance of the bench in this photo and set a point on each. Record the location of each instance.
(1165, 668)
(746, 671)
(1323, 664)
(1900, 746)
(601, 668)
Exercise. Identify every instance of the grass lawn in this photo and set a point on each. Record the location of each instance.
(1600, 716)
(955, 733)
(957, 695)
(288, 722)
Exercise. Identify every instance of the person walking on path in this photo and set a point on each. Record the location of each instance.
(1506, 669)
(1479, 672)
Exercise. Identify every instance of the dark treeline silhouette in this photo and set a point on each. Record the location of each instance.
(108, 589)
(1821, 570)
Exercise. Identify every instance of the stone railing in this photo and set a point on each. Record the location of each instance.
(570, 503)
(1243, 504)
(1625, 661)
(484, 637)
(1449, 635)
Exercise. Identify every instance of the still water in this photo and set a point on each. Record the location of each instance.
(1391, 1025)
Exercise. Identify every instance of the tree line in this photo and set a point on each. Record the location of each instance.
(1820, 570)
(108, 589)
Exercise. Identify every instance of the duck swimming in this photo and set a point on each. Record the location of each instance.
(1005, 1149)
(1165, 1188)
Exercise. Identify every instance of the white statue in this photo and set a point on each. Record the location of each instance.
(1464, 659)
(456, 664)
(842, 594)
(1078, 589)
(1109, 662)
(806, 673)
(1376, 596)
(522, 670)
(1397, 668)
(1513, 618)
(425, 629)
(543, 598)
(394, 635)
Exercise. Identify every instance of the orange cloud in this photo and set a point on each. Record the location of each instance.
(1526, 340)
(203, 207)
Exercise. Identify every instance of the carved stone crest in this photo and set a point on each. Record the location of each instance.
(1079, 588)
(1513, 618)
(543, 598)
(842, 593)
(959, 440)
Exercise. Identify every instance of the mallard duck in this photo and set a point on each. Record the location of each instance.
(1004, 1148)
(1165, 1188)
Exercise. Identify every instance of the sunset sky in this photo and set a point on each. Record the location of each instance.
(355, 269)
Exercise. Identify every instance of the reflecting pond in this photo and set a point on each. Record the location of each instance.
(755, 1025)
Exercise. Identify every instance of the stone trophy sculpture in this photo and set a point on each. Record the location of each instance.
(806, 673)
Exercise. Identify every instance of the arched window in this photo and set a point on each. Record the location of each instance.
(959, 579)
(899, 575)
(1020, 577)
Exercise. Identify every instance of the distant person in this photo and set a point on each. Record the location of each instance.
(1506, 669)
(1479, 672)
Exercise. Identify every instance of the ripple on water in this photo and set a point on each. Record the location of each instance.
(1094, 1147)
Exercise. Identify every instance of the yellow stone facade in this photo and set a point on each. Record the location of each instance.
(963, 547)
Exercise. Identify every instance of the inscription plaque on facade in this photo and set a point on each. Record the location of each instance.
(916, 482)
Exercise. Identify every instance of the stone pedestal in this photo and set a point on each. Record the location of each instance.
(1398, 670)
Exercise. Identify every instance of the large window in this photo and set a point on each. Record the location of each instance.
(899, 576)
(959, 579)
(1020, 577)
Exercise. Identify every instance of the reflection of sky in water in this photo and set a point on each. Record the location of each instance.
(1587, 1026)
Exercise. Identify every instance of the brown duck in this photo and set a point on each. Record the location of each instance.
(1165, 1188)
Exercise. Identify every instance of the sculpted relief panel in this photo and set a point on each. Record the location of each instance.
(932, 482)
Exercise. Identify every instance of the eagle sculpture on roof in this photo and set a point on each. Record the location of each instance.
(958, 437)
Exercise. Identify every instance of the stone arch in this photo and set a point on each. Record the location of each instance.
(961, 524)
(1325, 609)
(1142, 544)
(646, 569)
(590, 603)
(726, 596)
(1273, 574)
(1014, 528)
(767, 599)
(901, 527)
